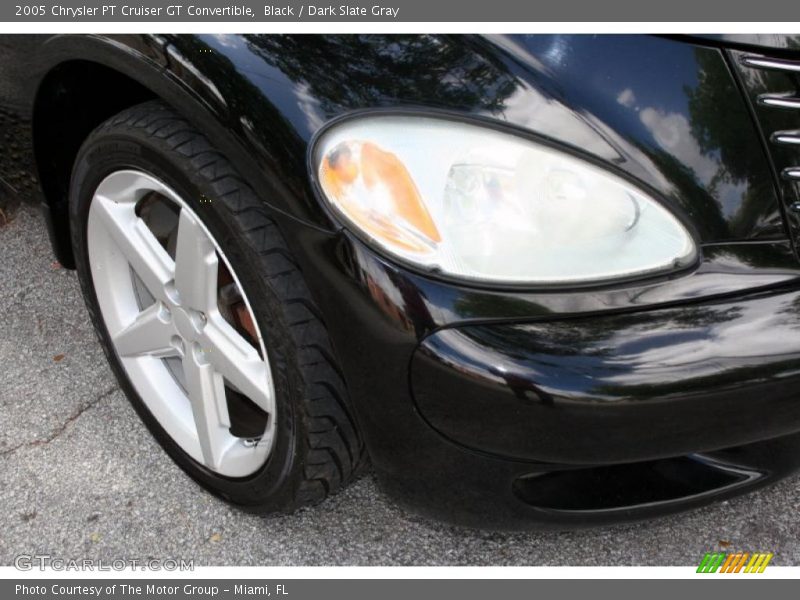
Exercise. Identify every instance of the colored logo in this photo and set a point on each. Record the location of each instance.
(740, 562)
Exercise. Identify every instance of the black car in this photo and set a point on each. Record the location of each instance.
(535, 281)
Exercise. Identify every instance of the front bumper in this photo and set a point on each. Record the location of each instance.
(513, 410)
(617, 388)
(620, 417)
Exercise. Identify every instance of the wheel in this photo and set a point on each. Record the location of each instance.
(205, 316)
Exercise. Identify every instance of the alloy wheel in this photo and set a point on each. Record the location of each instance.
(180, 323)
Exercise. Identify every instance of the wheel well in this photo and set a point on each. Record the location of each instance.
(72, 100)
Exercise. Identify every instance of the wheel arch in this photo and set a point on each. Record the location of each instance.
(66, 109)
(68, 105)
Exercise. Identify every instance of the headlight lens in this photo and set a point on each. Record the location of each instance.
(479, 204)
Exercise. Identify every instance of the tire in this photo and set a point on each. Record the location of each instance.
(316, 448)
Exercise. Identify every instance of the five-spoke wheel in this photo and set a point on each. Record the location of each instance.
(206, 317)
(167, 306)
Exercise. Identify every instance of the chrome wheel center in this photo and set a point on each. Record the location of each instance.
(184, 358)
(189, 324)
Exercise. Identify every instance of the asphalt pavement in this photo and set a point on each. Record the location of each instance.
(80, 476)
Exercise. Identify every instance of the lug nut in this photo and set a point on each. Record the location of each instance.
(164, 312)
(177, 343)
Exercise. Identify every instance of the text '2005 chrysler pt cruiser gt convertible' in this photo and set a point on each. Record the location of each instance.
(535, 281)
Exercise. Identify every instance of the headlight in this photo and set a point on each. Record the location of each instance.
(478, 204)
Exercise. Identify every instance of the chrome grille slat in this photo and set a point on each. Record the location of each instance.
(786, 137)
(781, 100)
(791, 173)
(787, 100)
(773, 64)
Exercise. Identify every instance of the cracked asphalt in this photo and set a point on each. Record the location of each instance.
(80, 476)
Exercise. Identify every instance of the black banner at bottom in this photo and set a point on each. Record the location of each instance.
(383, 589)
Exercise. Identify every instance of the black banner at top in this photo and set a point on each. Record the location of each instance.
(465, 11)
